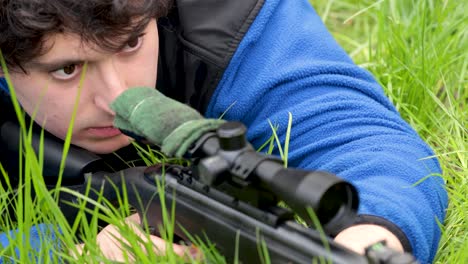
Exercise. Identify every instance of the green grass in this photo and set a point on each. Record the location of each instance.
(417, 50)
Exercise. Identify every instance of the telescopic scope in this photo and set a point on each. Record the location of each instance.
(333, 200)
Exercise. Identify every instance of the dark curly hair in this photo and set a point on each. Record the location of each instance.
(25, 23)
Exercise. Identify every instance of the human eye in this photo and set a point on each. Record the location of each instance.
(133, 44)
(67, 72)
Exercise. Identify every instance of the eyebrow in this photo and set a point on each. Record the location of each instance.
(54, 64)
(60, 63)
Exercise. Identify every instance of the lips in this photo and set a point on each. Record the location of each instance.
(104, 132)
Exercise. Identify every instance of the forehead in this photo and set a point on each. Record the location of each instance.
(69, 46)
(64, 48)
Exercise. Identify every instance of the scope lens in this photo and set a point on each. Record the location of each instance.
(339, 201)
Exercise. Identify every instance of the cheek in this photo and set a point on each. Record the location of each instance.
(26, 94)
(53, 116)
(143, 69)
(49, 110)
(56, 125)
(143, 73)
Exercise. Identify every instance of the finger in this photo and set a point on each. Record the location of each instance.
(187, 252)
(160, 246)
(134, 218)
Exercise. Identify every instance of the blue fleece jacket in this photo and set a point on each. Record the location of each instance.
(38, 235)
(342, 120)
(4, 85)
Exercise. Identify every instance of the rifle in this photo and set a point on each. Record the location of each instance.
(229, 195)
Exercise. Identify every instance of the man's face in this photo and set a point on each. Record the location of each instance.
(49, 89)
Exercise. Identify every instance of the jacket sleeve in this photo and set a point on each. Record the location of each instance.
(38, 236)
(342, 121)
(3, 86)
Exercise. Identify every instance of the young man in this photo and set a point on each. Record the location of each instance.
(256, 64)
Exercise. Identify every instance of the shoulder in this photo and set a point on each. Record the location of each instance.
(197, 42)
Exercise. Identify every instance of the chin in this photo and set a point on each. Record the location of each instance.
(106, 147)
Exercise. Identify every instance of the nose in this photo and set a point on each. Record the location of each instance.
(112, 83)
